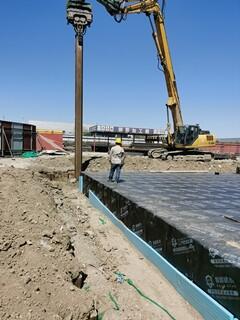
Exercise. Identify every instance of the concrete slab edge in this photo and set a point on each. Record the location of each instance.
(201, 301)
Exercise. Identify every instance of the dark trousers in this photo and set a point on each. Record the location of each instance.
(115, 168)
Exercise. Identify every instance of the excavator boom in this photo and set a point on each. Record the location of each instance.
(184, 137)
(152, 8)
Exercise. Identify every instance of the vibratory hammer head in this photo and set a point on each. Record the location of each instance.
(79, 13)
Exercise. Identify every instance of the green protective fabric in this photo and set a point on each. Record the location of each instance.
(30, 154)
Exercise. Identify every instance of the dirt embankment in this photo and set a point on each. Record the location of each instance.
(140, 163)
(59, 256)
(60, 165)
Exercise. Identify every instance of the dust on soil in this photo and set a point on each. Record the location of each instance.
(141, 163)
(52, 239)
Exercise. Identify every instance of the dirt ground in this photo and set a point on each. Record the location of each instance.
(59, 256)
(140, 163)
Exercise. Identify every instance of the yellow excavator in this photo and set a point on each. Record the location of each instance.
(185, 139)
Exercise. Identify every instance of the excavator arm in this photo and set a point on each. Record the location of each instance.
(185, 137)
(152, 9)
(113, 7)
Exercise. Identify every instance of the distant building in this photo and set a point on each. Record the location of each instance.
(66, 127)
(125, 130)
(97, 137)
(102, 137)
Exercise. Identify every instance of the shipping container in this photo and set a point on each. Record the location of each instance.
(16, 138)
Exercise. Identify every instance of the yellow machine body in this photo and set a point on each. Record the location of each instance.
(180, 139)
(202, 141)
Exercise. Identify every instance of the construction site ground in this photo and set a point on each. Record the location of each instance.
(59, 256)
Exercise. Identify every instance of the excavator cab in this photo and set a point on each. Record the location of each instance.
(192, 136)
(186, 135)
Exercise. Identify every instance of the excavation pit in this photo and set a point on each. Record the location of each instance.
(78, 280)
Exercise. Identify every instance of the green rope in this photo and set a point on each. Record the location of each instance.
(130, 282)
(102, 221)
(116, 306)
(86, 288)
(100, 315)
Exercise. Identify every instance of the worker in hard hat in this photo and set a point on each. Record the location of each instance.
(116, 158)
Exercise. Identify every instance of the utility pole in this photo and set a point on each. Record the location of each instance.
(79, 15)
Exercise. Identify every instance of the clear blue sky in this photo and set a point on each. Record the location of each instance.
(122, 84)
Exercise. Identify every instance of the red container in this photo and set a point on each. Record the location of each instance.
(232, 148)
(49, 140)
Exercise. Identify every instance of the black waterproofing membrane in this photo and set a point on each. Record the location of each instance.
(191, 219)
